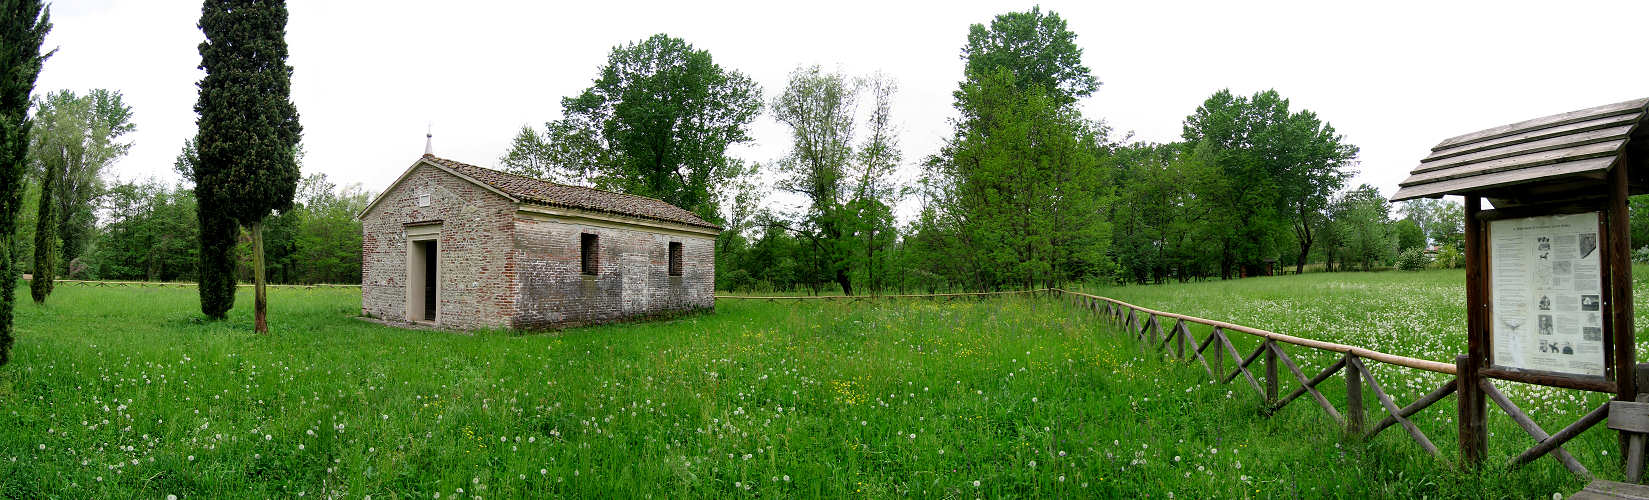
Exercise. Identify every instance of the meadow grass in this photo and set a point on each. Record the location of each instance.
(127, 393)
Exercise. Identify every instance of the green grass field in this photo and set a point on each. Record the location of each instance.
(125, 393)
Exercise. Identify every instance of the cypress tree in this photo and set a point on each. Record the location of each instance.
(215, 262)
(45, 234)
(218, 236)
(247, 139)
(23, 27)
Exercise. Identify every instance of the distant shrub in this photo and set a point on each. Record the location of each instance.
(738, 280)
(1448, 257)
(1641, 255)
(1413, 259)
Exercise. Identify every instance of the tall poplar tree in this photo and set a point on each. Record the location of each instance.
(849, 187)
(1023, 180)
(23, 27)
(247, 139)
(73, 140)
(103, 120)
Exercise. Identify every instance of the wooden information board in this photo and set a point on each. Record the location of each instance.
(1547, 308)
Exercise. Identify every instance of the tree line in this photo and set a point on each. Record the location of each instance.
(79, 224)
(148, 230)
(1025, 192)
(244, 208)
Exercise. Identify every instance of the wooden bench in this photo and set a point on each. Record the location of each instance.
(1631, 417)
(1602, 490)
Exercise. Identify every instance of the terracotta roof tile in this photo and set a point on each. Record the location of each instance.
(540, 192)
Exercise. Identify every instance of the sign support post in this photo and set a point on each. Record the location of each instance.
(1472, 406)
(1620, 270)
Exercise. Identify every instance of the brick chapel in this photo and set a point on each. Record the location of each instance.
(463, 247)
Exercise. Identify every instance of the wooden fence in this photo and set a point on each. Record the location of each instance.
(1146, 325)
(175, 284)
(891, 296)
(856, 298)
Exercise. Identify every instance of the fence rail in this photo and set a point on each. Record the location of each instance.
(1416, 363)
(872, 297)
(176, 284)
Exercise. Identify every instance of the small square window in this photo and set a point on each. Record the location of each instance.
(675, 258)
(589, 250)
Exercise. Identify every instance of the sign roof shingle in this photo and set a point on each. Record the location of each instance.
(1546, 149)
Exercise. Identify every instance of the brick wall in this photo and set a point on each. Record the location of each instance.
(633, 278)
(473, 246)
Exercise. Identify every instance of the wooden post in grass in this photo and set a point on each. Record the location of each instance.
(1219, 354)
(1354, 399)
(1474, 441)
(1270, 372)
(1635, 438)
(1472, 407)
(1619, 238)
(1179, 340)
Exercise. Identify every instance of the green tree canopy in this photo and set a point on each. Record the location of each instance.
(1409, 235)
(1036, 48)
(1442, 221)
(1279, 169)
(150, 234)
(657, 122)
(1361, 219)
(248, 128)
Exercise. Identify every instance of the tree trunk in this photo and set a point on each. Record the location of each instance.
(260, 301)
(870, 261)
(1225, 260)
(1305, 252)
(1302, 232)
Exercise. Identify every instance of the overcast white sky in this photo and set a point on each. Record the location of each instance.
(1393, 77)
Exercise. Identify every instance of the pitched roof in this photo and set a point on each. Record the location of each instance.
(539, 192)
(1570, 146)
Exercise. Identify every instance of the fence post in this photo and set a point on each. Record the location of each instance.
(1219, 354)
(1179, 339)
(1270, 372)
(1471, 412)
(1354, 398)
(1152, 329)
